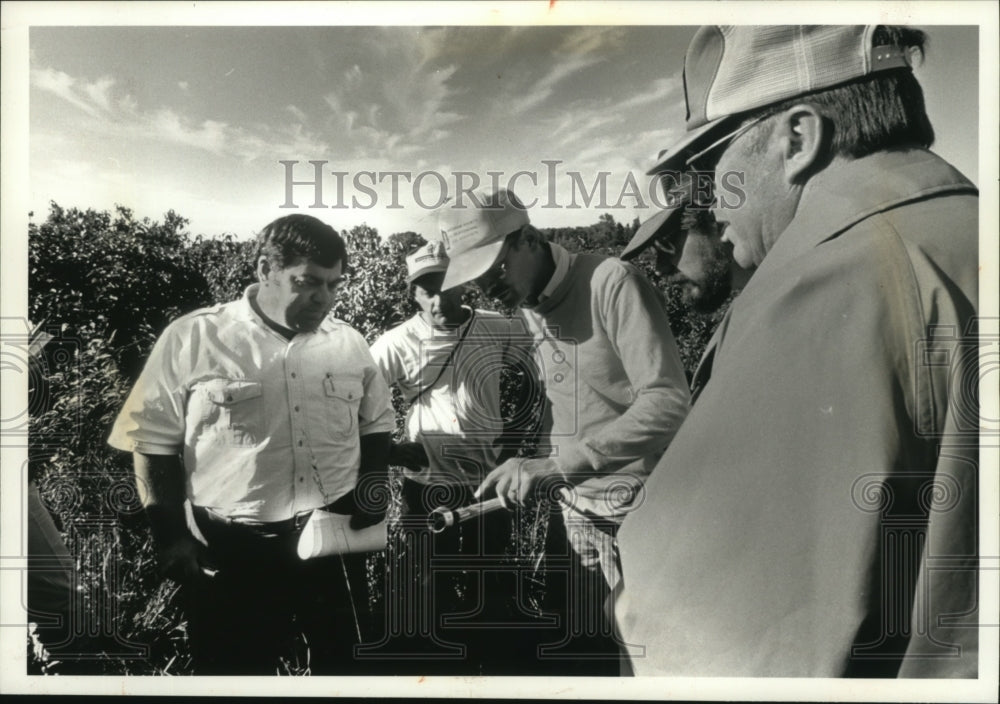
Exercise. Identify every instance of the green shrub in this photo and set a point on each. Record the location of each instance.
(106, 285)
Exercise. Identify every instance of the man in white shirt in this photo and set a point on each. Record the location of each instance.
(255, 413)
(448, 362)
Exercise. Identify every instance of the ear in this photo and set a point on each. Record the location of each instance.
(264, 269)
(802, 132)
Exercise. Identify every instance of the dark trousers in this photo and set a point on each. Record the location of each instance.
(457, 569)
(266, 611)
(452, 596)
(585, 642)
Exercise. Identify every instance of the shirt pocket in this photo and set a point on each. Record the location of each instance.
(233, 411)
(341, 401)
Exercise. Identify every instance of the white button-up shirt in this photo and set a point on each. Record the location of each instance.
(455, 410)
(268, 427)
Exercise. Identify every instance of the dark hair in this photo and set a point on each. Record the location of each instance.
(294, 237)
(700, 220)
(882, 111)
(528, 234)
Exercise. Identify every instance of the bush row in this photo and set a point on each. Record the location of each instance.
(105, 285)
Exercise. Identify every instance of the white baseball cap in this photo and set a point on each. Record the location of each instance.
(473, 235)
(428, 259)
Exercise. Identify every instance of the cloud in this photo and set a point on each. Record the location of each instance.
(545, 86)
(89, 97)
(296, 113)
(211, 136)
(123, 114)
(576, 51)
(405, 112)
(592, 39)
(660, 90)
(98, 93)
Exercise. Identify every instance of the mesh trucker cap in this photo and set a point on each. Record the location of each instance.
(729, 70)
(473, 235)
(430, 258)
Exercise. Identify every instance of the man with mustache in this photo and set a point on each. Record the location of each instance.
(816, 515)
(688, 247)
(615, 388)
(248, 416)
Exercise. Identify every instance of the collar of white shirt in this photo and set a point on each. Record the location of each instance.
(426, 331)
(245, 311)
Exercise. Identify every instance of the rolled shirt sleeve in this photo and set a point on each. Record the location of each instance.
(152, 420)
(387, 358)
(375, 414)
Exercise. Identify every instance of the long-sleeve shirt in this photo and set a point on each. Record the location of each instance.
(613, 376)
(268, 427)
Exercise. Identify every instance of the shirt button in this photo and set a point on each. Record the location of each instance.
(300, 443)
(293, 375)
(296, 409)
(300, 479)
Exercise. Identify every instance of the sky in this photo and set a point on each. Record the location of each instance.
(199, 119)
(196, 115)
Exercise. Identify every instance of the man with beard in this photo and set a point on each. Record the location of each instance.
(689, 249)
(250, 415)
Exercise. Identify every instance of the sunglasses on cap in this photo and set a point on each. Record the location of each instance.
(724, 141)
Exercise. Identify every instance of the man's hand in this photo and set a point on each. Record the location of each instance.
(408, 454)
(184, 559)
(160, 483)
(519, 481)
(366, 503)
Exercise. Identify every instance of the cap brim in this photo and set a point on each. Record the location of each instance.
(472, 264)
(432, 269)
(661, 223)
(693, 142)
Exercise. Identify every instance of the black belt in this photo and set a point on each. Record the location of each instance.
(288, 525)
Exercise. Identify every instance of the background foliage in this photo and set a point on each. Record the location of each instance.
(105, 285)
